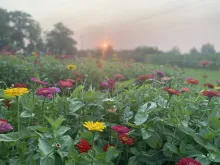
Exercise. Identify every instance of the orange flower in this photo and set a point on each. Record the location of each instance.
(185, 90)
(172, 91)
(191, 81)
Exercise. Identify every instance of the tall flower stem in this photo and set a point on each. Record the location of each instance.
(93, 150)
(43, 110)
(18, 115)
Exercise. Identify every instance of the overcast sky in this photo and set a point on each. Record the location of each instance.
(130, 23)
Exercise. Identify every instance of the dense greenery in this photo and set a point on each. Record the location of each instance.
(164, 125)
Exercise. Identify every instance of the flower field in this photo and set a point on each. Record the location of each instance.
(91, 112)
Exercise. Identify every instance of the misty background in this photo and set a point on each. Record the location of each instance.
(126, 24)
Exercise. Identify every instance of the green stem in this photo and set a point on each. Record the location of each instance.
(18, 115)
(93, 151)
(43, 110)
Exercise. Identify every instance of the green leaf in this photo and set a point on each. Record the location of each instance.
(214, 156)
(127, 115)
(2, 162)
(9, 137)
(75, 106)
(87, 136)
(110, 154)
(66, 142)
(171, 147)
(154, 141)
(62, 130)
(145, 133)
(55, 124)
(45, 147)
(203, 160)
(47, 160)
(27, 114)
(143, 112)
(215, 123)
(77, 90)
(27, 102)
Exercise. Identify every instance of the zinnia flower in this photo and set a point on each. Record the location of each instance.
(185, 90)
(209, 85)
(145, 77)
(12, 92)
(188, 161)
(191, 81)
(105, 148)
(18, 85)
(5, 126)
(119, 76)
(210, 94)
(34, 79)
(111, 84)
(83, 146)
(120, 129)
(172, 91)
(46, 92)
(103, 84)
(159, 73)
(65, 84)
(94, 126)
(125, 139)
(71, 67)
(165, 78)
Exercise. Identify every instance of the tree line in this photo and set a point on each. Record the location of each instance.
(20, 32)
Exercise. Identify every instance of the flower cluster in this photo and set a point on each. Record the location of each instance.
(125, 139)
(122, 132)
(12, 92)
(120, 129)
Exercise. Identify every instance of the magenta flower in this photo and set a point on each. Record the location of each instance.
(120, 129)
(5, 126)
(46, 92)
(34, 79)
(111, 83)
(103, 84)
(119, 76)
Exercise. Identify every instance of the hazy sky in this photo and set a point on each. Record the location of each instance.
(130, 23)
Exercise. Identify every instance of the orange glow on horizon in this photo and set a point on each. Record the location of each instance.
(104, 45)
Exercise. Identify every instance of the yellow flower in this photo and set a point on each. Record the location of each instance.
(70, 66)
(94, 126)
(11, 92)
(217, 87)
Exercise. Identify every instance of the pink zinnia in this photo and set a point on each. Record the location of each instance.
(188, 161)
(34, 79)
(103, 84)
(46, 92)
(120, 129)
(65, 84)
(119, 76)
(5, 126)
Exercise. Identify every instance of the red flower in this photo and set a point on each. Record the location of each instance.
(124, 138)
(65, 84)
(191, 81)
(83, 146)
(172, 91)
(185, 90)
(188, 161)
(120, 129)
(209, 85)
(17, 85)
(145, 77)
(210, 94)
(105, 148)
